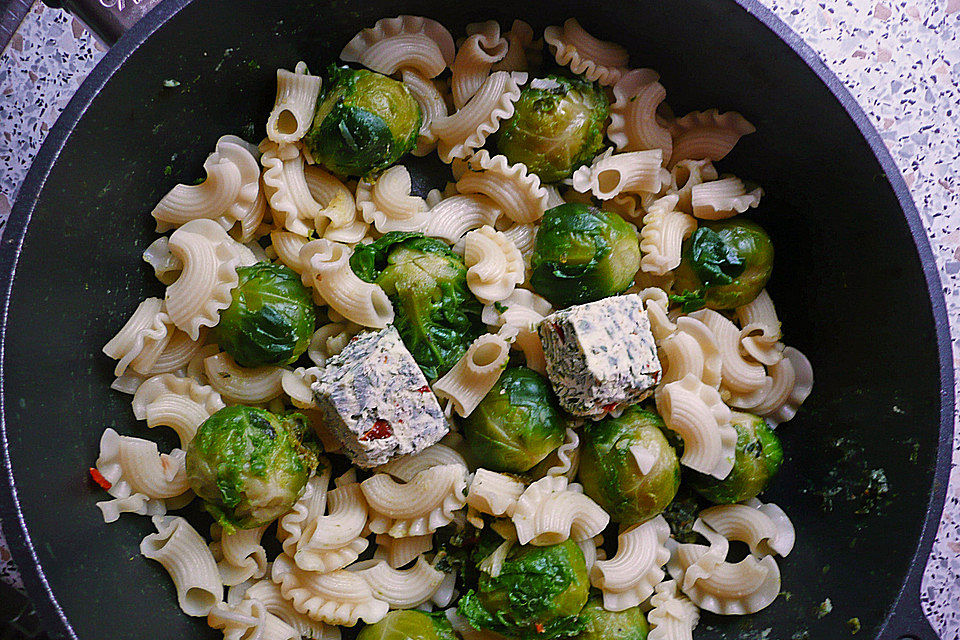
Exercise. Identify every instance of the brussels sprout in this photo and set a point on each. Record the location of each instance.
(583, 254)
(270, 319)
(250, 465)
(758, 458)
(725, 265)
(517, 424)
(611, 475)
(629, 624)
(365, 122)
(409, 625)
(436, 315)
(537, 594)
(557, 126)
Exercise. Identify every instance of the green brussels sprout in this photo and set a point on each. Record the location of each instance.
(538, 593)
(250, 465)
(557, 126)
(364, 123)
(270, 319)
(409, 625)
(436, 315)
(517, 424)
(583, 254)
(758, 458)
(726, 264)
(609, 471)
(629, 624)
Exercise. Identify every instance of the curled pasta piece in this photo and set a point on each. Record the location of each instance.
(565, 459)
(179, 403)
(207, 200)
(479, 52)
(388, 204)
(285, 185)
(761, 333)
(656, 302)
(404, 42)
(598, 60)
(268, 593)
(684, 176)
(472, 377)
(297, 384)
(135, 466)
(691, 349)
(633, 114)
(523, 237)
(453, 217)
(287, 245)
(792, 384)
(242, 385)
(339, 597)
(765, 528)
(522, 52)
(329, 340)
(402, 551)
(249, 619)
(611, 174)
(306, 509)
(405, 468)
(707, 135)
(243, 215)
(337, 215)
(418, 507)
(210, 259)
(166, 266)
(402, 588)
(744, 382)
(240, 556)
(329, 274)
(662, 235)
(549, 512)
(292, 113)
(673, 616)
(696, 412)
(432, 106)
(723, 199)
(517, 193)
(629, 577)
(178, 352)
(465, 130)
(332, 541)
(142, 339)
(592, 551)
(494, 493)
(184, 554)
(494, 265)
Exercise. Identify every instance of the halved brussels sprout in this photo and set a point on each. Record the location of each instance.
(270, 319)
(758, 458)
(629, 624)
(364, 122)
(409, 625)
(726, 264)
(610, 469)
(250, 465)
(557, 126)
(436, 315)
(583, 254)
(517, 424)
(537, 594)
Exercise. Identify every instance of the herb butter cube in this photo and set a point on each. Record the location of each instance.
(600, 356)
(377, 402)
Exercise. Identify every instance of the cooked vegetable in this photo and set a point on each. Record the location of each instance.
(409, 625)
(436, 315)
(583, 254)
(537, 594)
(725, 263)
(557, 126)
(610, 455)
(517, 424)
(250, 465)
(270, 319)
(365, 122)
(758, 458)
(601, 624)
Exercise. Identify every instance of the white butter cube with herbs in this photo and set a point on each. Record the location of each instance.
(376, 400)
(600, 356)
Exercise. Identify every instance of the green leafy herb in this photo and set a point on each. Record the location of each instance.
(690, 301)
(714, 261)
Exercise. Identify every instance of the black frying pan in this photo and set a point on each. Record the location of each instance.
(855, 284)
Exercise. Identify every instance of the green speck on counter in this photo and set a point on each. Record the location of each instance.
(854, 625)
(825, 608)
(171, 84)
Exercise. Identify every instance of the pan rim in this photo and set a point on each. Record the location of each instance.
(18, 535)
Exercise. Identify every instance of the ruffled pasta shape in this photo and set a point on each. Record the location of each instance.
(494, 265)
(178, 352)
(142, 339)
(285, 185)
(453, 217)
(517, 193)
(611, 174)
(673, 616)
(519, 314)
(184, 554)
(329, 274)
(598, 60)
(333, 541)
(684, 176)
(337, 218)
(633, 114)
(268, 593)
(245, 213)
(179, 403)
(707, 135)
(744, 383)
(592, 551)
(549, 512)
(765, 528)
(472, 377)
(432, 106)
(479, 52)
(402, 588)
(249, 619)
(405, 468)
(691, 350)
(792, 384)
(135, 466)
(297, 385)
(656, 302)
(166, 266)
(522, 53)
(240, 555)
(388, 204)
(296, 101)
(340, 597)
(329, 340)
(418, 507)
(465, 130)
(287, 245)
(310, 506)
(399, 552)
(662, 235)
(242, 385)
(404, 42)
(723, 199)
(494, 493)
(565, 459)
(761, 332)
(696, 412)
(629, 577)
(208, 200)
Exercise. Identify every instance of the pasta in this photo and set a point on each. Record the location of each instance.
(241, 385)
(244, 215)
(451, 218)
(388, 205)
(760, 335)
(691, 350)
(142, 339)
(549, 512)
(707, 135)
(522, 53)
(402, 588)
(722, 198)
(432, 106)
(179, 403)
(792, 384)
(520, 314)
(629, 577)
(478, 53)
(475, 373)
(338, 207)
(745, 382)
(332, 541)
(494, 265)
(673, 616)
(207, 200)
(285, 184)
(404, 42)
(417, 507)
(268, 594)
(306, 509)
(684, 176)
(633, 114)
(240, 556)
(249, 619)
(517, 194)
(329, 340)
(183, 553)
(293, 108)
(597, 60)
(288, 245)
(165, 265)
(494, 493)
(765, 528)
(407, 467)
(662, 235)
(614, 173)
(399, 552)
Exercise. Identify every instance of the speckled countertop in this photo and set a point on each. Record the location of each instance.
(900, 59)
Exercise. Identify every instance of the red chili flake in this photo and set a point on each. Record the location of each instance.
(610, 407)
(381, 429)
(538, 627)
(105, 484)
(424, 389)
(559, 330)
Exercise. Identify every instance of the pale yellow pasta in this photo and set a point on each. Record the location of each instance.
(760, 334)
(207, 200)
(494, 265)
(474, 374)
(179, 403)
(707, 135)
(744, 383)
(184, 554)
(240, 555)
(517, 193)
(195, 369)
(337, 215)
(629, 577)
(243, 216)
(611, 174)
(592, 551)
(388, 204)
(765, 528)
(334, 540)
(287, 245)
(523, 237)
(477, 54)
(268, 593)
(549, 512)
(432, 107)
(792, 384)
(329, 340)
(402, 588)
(135, 466)
(292, 113)
(285, 185)
(633, 114)
(142, 339)
(178, 352)
(297, 384)
(402, 551)
(494, 493)
(334, 283)
(242, 385)
(249, 619)
(451, 218)
(418, 507)
(523, 53)
(691, 350)
(166, 266)
(662, 235)
(598, 60)
(673, 616)
(310, 506)
(405, 468)
(656, 302)
(565, 459)
(684, 176)
(723, 198)
(404, 42)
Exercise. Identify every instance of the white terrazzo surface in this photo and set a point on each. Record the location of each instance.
(900, 59)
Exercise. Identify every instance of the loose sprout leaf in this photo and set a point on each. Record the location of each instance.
(714, 261)
(689, 301)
